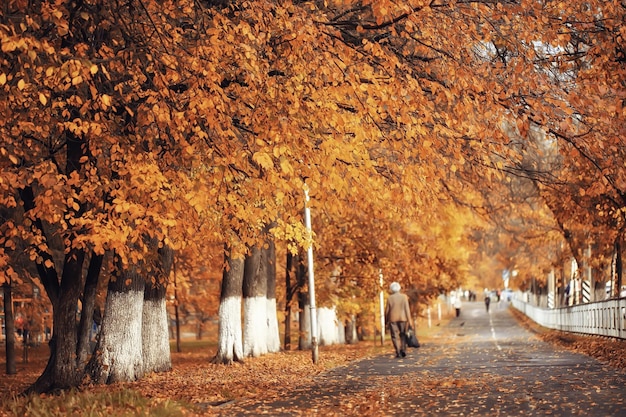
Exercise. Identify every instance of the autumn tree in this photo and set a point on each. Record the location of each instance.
(568, 118)
(78, 156)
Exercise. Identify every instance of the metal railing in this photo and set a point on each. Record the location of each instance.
(604, 318)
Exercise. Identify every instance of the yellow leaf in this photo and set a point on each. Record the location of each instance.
(21, 84)
(263, 159)
(285, 166)
(42, 99)
(3, 79)
(93, 69)
(106, 99)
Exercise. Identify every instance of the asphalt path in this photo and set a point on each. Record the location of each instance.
(480, 364)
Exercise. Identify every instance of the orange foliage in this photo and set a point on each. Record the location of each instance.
(197, 121)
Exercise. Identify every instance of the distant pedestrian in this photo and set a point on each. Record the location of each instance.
(398, 317)
(457, 305)
(487, 301)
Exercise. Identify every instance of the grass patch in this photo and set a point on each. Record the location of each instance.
(187, 345)
(122, 402)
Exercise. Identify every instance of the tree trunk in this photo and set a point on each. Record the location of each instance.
(177, 322)
(351, 331)
(120, 356)
(618, 267)
(255, 304)
(199, 326)
(304, 335)
(288, 298)
(331, 330)
(9, 328)
(273, 334)
(176, 315)
(154, 332)
(360, 328)
(229, 344)
(155, 340)
(87, 312)
(63, 370)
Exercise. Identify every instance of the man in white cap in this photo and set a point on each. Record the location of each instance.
(398, 316)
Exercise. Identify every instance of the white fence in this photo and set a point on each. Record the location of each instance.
(605, 318)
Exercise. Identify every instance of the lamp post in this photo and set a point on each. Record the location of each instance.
(307, 222)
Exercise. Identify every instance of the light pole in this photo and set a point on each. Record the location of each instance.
(307, 222)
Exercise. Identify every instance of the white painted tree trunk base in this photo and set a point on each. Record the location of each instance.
(155, 337)
(255, 326)
(273, 333)
(121, 357)
(229, 347)
(330, 330)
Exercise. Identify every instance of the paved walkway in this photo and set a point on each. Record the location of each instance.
(480, 364)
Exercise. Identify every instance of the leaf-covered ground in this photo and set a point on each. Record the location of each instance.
(206, 388)
(195, 380)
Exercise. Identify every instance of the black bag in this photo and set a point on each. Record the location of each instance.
(411, 339)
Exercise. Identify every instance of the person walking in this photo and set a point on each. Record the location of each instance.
(457, 305)
(487, 301)
(398, 317)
